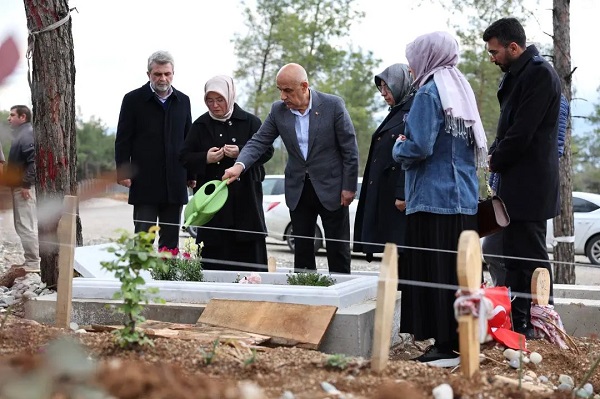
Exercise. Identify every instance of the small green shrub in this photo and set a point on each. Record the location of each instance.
(134, 254)
(338, 361)
(184, 265)
(310, 278)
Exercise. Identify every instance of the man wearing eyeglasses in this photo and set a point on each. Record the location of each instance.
(153, 123)
(525, 156)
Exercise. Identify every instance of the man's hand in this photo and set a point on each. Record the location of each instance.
(233, 173)
(214, 155)
(191, 183)
(25, 193)
(125, 182)
(231, 150)
(489, 163)
(347, 197)
(401, 205)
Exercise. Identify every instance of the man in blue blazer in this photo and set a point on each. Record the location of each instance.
(322, 168)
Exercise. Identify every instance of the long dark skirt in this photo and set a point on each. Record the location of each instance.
(232, 254)
(427, 312)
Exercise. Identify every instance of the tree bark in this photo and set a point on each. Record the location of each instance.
(564, 252)
(53, 99)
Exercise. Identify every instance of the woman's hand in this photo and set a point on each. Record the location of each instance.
(214, 155)
(231, 150)
(401, 205)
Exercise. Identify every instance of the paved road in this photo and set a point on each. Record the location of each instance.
(102, 217)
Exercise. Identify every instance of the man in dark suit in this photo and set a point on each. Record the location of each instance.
(322, 170)
(524, 154)
(153, 123)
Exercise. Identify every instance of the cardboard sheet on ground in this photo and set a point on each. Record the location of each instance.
(203, 333)
(286, 323)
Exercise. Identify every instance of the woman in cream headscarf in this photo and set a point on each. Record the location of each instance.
(380, 214)
(444, 142)
(235, 238)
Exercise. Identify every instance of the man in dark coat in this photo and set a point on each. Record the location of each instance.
(380, 216)
(524, 154)
(153, 123)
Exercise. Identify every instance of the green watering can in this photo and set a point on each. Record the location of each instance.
(207, 201)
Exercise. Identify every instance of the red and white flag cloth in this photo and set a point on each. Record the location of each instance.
(494, 304)
(547, 324)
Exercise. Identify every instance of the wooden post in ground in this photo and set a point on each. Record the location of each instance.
(272, 264)
(468, 267)
(387, 287)
(66, 258)
(540, 286)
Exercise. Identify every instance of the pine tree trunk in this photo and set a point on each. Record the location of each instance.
(53, 99)
(563, 223)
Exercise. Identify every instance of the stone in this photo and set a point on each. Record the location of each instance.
(565, 379)
(443, 391)
(535, 358)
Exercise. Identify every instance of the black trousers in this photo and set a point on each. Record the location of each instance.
(524, 240)
(169, 219)
(337, 232)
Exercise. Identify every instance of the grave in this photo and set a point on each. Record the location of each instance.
(350, 331)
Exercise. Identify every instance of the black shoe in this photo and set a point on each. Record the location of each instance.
(527, 330)
(435, 354)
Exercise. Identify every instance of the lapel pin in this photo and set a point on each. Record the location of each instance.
(317, 113)
(229, 123)
(233, 140)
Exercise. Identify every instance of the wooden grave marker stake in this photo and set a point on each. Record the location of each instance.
(272, 264)
(540, 286)
(387, 287)
(66, 258)
(468, 268)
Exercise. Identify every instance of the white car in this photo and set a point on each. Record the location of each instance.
(277, 214)
(586, 215)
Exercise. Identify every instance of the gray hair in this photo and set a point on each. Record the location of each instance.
(161, 58)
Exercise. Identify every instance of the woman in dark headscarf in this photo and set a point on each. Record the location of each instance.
(442, 147)
(235, 237)
(380, 214)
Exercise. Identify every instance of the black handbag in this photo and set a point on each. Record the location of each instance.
(491, 216)
(491, 213)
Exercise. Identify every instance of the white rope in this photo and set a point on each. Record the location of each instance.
(31, 40)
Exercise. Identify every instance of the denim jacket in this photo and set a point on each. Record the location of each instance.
(440, 168)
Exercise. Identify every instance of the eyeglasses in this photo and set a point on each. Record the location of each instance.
(383, 87)
(212, 101)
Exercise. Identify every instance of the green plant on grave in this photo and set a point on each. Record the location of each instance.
(338, 361)
(135, 253)
(310, 278)
(184, 265)
(211, 355)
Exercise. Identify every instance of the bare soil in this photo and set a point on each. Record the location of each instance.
(175, 368)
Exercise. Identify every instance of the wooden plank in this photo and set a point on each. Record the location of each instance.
(66, 258)
(468, 268)
(192, 332)
(387, 287)
(540, 286)
(286, 323)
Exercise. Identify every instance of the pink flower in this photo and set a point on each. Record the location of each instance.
(186, 255)
(253, 278)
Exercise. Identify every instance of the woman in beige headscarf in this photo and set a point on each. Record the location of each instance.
(235, 238)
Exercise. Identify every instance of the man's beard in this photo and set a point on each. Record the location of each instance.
(162, 87)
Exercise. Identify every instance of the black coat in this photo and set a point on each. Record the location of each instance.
(243, 209)
(377, 218)
(524, 151)
(149, 138)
